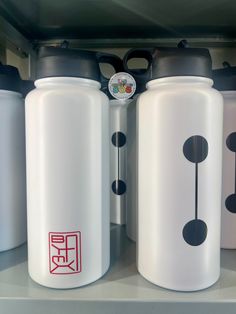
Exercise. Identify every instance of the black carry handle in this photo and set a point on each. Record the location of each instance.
(113, 60)
(141, 76)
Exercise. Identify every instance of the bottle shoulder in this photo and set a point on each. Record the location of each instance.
(180, 91)
(69, 92)
(10, 94)
(181, 97)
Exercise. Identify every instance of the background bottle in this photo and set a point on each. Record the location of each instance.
(225, 81)
(122, 87)
(12, 162)
(67, 132)
(179, 171)
(118, 156)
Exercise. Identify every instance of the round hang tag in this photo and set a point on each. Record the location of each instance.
(122, 85)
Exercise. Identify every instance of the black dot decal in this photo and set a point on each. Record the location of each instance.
(231, 142)
(195, 149)
(230, 203)
(118, 187)
(118, 139)
(195, 232)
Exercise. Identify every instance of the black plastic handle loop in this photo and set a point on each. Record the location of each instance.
(111, 59)
(141, 76)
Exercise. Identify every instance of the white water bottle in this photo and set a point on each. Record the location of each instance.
(118, 130)
(225, 81)
(67, 145)
(12, 161)
(121, 86)
(179, 171)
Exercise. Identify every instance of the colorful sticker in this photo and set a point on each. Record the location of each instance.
(122, 85)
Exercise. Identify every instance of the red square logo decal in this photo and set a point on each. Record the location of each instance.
(65, 253)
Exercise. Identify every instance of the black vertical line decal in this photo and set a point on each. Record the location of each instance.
(230, 202)
(195, 149)
(235, 173)
(118, 163)
(118, 140)
(196, 191)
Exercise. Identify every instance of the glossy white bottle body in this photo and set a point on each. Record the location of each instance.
(170, 112)
(118, 160)
(131, 212)
(67, 146)
(12, 171)
(228, 218)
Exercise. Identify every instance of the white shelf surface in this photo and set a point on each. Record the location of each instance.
(121, 290)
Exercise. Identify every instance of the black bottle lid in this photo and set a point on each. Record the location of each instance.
(169, 62)
(181, 62)
(56, 62)
(10, 78)
(225, 78)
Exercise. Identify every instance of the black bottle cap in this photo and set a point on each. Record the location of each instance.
(56, 62)
(10, 78)
(225, 78)
(169, 62)
(26, 87)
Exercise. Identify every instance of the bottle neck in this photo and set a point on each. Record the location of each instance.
(181, 80)
(120, 102)
(66, 81)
